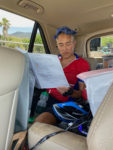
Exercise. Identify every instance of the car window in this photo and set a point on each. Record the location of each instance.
(16, 31)
(100, 46)
(38, 44)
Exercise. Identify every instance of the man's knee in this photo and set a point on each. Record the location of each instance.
(46, 117)
(42, 117)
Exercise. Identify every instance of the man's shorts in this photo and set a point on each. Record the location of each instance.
(51, 101)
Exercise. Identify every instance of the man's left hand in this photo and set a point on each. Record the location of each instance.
(63, 89)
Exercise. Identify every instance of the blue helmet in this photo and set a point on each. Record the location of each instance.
(69, 111)
(78, 114)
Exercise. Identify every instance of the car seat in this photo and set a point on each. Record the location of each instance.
(11, 73)
(100, 135)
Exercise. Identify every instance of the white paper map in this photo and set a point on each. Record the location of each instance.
(48, 71)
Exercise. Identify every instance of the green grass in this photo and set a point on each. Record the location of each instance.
(106, 39)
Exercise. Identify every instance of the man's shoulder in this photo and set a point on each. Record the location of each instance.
(83, 60)
(84, 63)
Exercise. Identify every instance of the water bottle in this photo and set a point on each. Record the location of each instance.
(41, 105)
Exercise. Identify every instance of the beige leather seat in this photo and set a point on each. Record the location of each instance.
(11, 72)
(100, 136)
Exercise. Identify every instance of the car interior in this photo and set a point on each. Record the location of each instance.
(93, 22)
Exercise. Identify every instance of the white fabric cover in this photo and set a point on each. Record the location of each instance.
(97, 84)
(25, 95)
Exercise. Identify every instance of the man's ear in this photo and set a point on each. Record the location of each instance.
(74, 43)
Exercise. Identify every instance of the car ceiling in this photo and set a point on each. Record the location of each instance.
(84, 15)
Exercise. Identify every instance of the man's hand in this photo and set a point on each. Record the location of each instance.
(73, 93)
(63, 89)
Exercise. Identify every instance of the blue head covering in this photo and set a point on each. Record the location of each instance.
(65, 30)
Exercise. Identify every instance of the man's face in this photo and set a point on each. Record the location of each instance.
(65, 45)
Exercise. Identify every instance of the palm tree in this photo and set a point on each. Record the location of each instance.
(5, 24)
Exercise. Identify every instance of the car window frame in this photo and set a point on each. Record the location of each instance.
(95, 36)
(33, 36)
(36, 26)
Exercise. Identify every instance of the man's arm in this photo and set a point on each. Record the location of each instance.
(78, 93)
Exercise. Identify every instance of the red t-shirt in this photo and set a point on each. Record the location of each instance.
(71, 71)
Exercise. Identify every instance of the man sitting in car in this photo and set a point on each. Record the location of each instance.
(72, 65)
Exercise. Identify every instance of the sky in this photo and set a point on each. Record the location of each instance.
(15, 20)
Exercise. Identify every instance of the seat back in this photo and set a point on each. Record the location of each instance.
(100, 136)
(11, 72)
(94, 62)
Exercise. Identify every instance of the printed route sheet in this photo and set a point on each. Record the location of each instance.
(48, 71)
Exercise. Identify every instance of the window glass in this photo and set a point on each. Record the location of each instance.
(15, 32)
(38, 45)
(101, 46)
